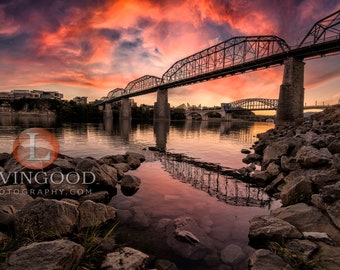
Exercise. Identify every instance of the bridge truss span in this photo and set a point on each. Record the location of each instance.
(232, 55)
(251, 104)
(142, 83)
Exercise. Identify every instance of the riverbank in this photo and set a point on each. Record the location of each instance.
(300, 165)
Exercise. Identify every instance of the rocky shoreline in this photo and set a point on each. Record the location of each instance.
(60, 218)
(300, 165)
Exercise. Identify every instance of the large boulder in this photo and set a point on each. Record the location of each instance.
(334, 146)
(45, 218)
(268, 228)
(307, 218)
(333, 212)
(298, 188)
(130, 184)
(15, 195)
(274, 151)
(51, 255)
(310, 157)
(126, 259)
(329, 256)
(232, 255)
(264, 259)
(330, 193)
(94, 214)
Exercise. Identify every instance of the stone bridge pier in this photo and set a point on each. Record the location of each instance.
(108, 110)
(125, 109)
(291, 98)
(161, 106)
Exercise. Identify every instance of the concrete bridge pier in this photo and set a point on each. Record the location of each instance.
(101, 107)
(227, 117)
(291, 98)
(108, 110)
(162, 107)
(125, 109)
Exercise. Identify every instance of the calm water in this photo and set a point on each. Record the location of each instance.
(171, 188)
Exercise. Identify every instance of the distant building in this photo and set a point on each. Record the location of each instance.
(35, 94)
(80, 100)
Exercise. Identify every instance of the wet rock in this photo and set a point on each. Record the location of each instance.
(310, 157)
(264, 259)
(297, 189)
(260, 177)
(245, 151)
(11, 165)
(250, 158)
(330, 193)
(122, 166)
(126, 258)
(52, 255)
(186, 236)
(307, 218)
(67, 186)
(130, 185)
(190, 250)
(165, 265)
(232, 254)
(98, 197)
(66, 164)
(107, 176)
(133, 162)
(271, 188)
(112, 159)
(44, 218)
(138, 156)
(333, 212)
(268, 228)
(94, 214)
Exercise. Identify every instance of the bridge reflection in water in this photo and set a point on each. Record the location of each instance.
(212, 179)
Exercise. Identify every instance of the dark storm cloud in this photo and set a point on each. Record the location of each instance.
(110, 34)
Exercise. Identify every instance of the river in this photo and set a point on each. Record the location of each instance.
(171, 187)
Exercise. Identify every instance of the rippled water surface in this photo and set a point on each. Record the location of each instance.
(177, 183)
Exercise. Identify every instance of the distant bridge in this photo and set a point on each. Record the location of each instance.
(235, 56)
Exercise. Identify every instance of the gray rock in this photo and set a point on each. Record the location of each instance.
(334, 146)
(260, 176)
(44, 218)
(66, 164)
(51, 255)
(107, 176)
(138, 156)
(15, 195)
(275, 183)
(133, 162)
(94, 214)
(298, 188)
(305, 248)
(273, 169)
(329, 257)
(289, 164)
(307, 218)
(268, 228)
(321, 178)
(318, 202)
(310, 157)
(333, 212)
(232, 254)
(274, 151)
(330, 193)
(264, 259)
(126, 259)
(11, 165)
(336, 161)
(112, 159)
(165, 265)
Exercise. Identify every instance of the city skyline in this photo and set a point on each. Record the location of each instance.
(87, 48)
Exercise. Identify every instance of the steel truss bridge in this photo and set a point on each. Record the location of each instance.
(237, 55)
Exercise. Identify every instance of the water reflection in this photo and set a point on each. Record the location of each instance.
(212, 179)
(161, 131)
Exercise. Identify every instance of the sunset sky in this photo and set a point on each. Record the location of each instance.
(89, 47)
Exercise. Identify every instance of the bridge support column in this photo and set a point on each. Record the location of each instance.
(291, 98)
(227, 117)
(162, 107)
(101, 108)
(125, 109)
(108, 110)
